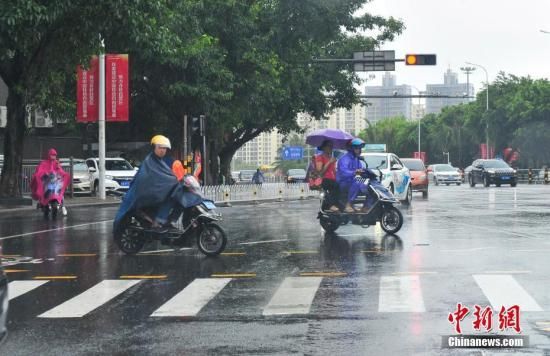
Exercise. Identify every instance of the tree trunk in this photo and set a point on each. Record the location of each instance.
(13, 147)
(226, 156)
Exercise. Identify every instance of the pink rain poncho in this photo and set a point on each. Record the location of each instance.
(49, 180)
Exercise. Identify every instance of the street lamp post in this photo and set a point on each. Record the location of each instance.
(487, 105)
(419, 156)
(467, 71)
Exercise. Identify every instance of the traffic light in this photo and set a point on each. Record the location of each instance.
(195, 126)
(420, 59)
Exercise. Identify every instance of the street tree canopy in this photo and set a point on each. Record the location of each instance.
(41, 42)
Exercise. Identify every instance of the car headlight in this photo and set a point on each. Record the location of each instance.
(491, 171)
(108, 177)
(422, 177)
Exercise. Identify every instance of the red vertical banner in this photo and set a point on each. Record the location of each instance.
(87, 92)
(483, 151)
(117, 98)
(421, 155)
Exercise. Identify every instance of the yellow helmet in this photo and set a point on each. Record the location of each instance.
(161, 141)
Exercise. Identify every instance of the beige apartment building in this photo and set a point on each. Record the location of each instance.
(263, 149)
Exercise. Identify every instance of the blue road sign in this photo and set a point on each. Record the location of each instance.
(293, 153)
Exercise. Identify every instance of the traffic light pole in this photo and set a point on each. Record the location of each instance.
(185, 139)
(204, 154)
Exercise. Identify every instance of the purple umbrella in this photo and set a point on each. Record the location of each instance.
(338, 138)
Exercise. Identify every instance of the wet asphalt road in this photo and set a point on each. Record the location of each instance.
(358, 291)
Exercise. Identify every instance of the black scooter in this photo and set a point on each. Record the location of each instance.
(383, 211)
(198, 222)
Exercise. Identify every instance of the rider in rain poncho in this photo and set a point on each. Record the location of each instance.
(349, 167)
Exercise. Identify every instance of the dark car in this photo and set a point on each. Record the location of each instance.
(492, 171)
(3, 305)
(296, 176)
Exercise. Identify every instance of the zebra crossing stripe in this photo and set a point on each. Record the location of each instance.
(294, 296)
(91, 299)
(400, 294)
(17, 288)
(192, 298)
(504, 290)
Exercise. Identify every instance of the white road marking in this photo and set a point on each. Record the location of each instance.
(261, 242)
(192, 298)
(57, 229)
(91, 299)
(506, 272)
(504, 290)
(400, 294)
(294, 296)
(17, 288)
(165, 250)
(468, 249)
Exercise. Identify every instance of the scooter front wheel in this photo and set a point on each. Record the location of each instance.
(391, 220)
(128, 240)
(328, 224)
(211, 239)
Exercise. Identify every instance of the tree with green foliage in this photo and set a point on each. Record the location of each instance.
(42, 42)
(263, 51)
(519, 116)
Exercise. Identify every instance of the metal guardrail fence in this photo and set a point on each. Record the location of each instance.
(223, 193)
(277, 189)
(258, 192)
(533, 176)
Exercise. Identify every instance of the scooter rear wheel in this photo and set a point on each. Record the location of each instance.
(54, 206)
(211, 239)
(391, 220)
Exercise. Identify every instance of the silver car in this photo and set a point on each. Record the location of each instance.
(446, 174)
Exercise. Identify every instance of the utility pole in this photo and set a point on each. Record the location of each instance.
(101, 123)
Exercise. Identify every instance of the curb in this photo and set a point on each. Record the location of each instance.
(115, 203)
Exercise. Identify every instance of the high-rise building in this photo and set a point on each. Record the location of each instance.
(352, 121)
(382, 108)
(450, 87)
(263, 150)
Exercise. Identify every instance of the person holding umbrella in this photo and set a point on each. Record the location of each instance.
(325, 167)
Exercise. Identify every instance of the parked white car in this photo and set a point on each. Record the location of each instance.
(81, 175)
(395, 176)
(118, 174)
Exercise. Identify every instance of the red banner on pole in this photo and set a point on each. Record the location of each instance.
(421, 155)
(486, 153)
(116, 87)
(87, 92)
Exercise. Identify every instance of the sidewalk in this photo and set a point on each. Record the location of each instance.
(114, 201)
(69, 202)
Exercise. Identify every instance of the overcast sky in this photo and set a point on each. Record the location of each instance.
(502, 35)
